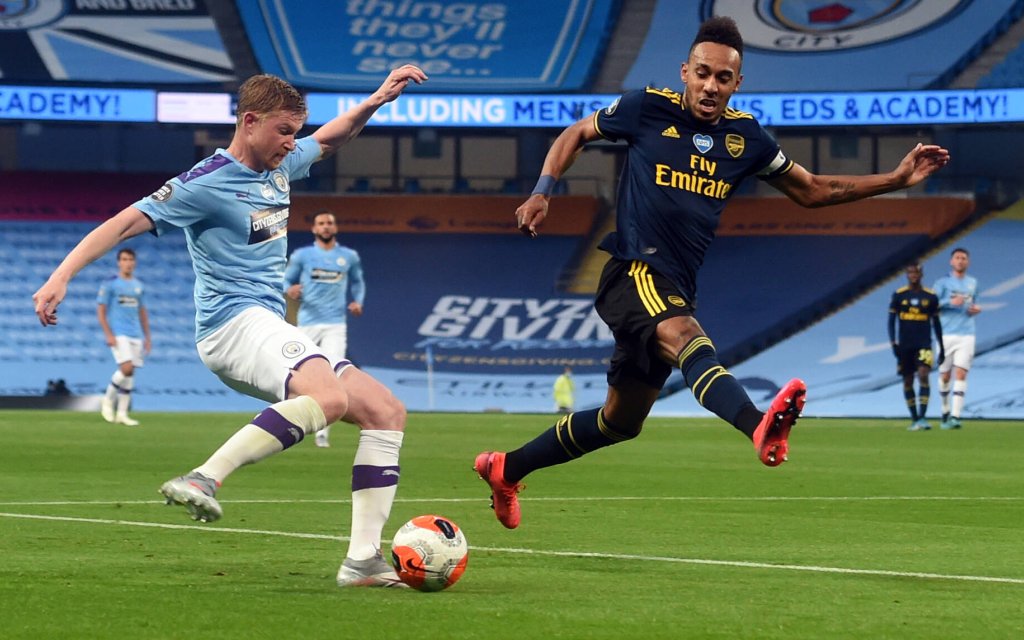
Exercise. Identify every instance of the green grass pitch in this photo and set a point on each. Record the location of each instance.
(868, 532)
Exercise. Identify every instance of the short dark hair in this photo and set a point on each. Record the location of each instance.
(130, 252)
(719, 30)
(960, 250)
(322, 212)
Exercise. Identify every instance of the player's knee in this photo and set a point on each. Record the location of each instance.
(334, 404)
(628, 425)
(628, 431)
(385, 412)
(127, 368)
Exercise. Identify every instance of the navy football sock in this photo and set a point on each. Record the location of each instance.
(574, 435)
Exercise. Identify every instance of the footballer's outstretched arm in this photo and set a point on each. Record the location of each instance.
(346, 126)
(563, 152)
(129, 223)
(810, 190)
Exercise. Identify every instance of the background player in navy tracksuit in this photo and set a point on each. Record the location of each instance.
(914, 310)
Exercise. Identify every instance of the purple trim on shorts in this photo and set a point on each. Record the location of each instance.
(342, 365)
(278, 426)
(299, 364)
(366, 476)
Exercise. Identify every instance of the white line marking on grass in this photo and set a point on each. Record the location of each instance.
(58, 503)
(539, 552)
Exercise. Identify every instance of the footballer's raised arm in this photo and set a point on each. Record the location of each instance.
(810, 190)
(346, 126)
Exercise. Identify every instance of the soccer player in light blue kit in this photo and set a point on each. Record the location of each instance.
(319, 276)
(233, 207)
(121, 311)
(957, 293)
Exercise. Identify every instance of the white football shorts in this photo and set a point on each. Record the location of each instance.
(332, 338)
(255, 353)
(959, 352)
(127, 349)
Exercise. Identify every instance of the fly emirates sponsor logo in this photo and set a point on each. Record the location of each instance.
(698, 178)
(464, 322)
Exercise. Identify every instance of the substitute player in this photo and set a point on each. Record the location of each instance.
(957, 309)
(686, 155)
(320, 276)
(121, 311)
(915, 311)
(233, 207)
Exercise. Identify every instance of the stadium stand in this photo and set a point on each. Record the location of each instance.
(846, 359)
(444, 265)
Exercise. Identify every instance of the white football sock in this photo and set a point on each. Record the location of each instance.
(115, 382)
(124, 394)
(276, 428)
(959, 389)
(375, 474)
(944, 395)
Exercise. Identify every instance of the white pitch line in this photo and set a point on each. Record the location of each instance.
(58, 503)
(540, 552)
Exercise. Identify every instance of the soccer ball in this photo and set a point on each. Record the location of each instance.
(429, 553)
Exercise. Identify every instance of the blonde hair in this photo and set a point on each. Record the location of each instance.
(265, 94)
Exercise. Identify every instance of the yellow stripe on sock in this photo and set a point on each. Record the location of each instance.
(568, 430)
(718, 375)
(558, 434)
(704, 375)
(607, 431)
(695, 344)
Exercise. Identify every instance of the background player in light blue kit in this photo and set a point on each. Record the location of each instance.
(233, 207)
(956, 293)
(319, 277)
(121, 311)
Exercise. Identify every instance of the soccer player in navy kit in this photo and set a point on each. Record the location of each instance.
(319, 276)
(686, 155)
(915, 310)
(233, 207)
(121, 312)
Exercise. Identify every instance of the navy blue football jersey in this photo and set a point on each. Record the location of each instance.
(678, 175)
(914, 309)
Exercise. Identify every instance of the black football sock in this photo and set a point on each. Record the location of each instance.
(923, 395)
(908, 394)
(715, 388)
(574, 435)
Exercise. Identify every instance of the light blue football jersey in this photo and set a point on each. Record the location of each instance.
(955, 321)
(123, 299)
(236, 225)
(325, 276)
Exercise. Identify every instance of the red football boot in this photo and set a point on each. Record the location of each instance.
(771, 435)
(490, 466)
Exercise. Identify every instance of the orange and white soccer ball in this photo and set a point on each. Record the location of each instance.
(429, 553)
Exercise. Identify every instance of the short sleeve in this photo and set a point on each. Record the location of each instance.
(621, 118)
(773, 160)
(297, 163)
(174, 205)
(103, 295)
